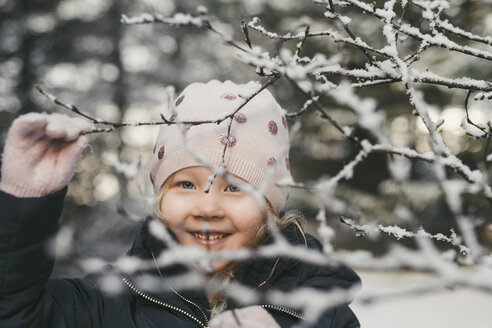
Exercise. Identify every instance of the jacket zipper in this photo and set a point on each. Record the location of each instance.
(279, 308)
(163, 304)
(176, 293)
(271, 273)
(285, 310)
(264, 306)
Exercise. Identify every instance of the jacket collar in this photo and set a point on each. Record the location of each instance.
(254, 272)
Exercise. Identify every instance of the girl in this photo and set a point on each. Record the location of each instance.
(213, 214)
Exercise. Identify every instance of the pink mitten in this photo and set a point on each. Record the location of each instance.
(41, 153)
(249, 317)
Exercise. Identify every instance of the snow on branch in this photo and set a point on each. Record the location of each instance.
(178, 19)
(163, 120)
(400, 233)
(438, 40)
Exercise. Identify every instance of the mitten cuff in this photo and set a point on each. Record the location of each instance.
(23, 191)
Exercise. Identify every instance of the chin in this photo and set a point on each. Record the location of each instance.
(220, 265)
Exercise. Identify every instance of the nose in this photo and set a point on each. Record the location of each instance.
(208, 205)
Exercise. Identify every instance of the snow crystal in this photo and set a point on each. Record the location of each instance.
(396, 231)
(305, 85)
(365, 6)
(483, 95)
(50, 97)
(465, 82)
(286, 181)
(477, 176)
(129, 264)
(428, 14)
(345, 20)
(111, 284)
(386, 14)
(473, 134)
(456, 30)
(403, 212)
(347, 131)
(202, 10)
(386, 66)
(330, 14)
(366, 145)
(453, 190)
(441, 40)
(143, 18)
(62, 243)
(130, 170)
(158, 230)
(254, 24)
(92, 265)
(177, 19)
(400, 169)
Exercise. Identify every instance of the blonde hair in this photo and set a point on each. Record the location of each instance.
(162, 190)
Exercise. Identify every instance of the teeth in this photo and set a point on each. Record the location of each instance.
(210, 236)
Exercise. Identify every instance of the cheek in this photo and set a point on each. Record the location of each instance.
(171, 210)
(249, 224)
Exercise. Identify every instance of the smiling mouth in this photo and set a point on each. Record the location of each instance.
(209, 236)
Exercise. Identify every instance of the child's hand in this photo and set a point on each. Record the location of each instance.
(249, 317)
(41, 153)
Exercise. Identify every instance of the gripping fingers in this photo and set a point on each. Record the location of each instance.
(64, 127)
(83, 125)
(28, 128)
(70, 156)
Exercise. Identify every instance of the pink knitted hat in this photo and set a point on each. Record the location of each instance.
(258, 138)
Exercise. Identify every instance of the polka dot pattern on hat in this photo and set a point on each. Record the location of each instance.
(272, 127)
(227, 140)
(160, 155)
(228, 96)
(180, 100)
(284, 122)
(271, 161)
(240, 118)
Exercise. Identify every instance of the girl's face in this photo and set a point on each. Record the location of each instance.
(230, 217)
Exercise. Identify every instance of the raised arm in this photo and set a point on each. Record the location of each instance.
(40, 155)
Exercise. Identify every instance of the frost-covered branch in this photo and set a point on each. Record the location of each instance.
(178, 19)
(438, 40)
(169, 121)
(399, 233)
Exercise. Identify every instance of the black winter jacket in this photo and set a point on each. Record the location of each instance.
(29, 298)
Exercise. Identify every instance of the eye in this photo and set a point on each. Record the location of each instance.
(233, 188)
(186, 185)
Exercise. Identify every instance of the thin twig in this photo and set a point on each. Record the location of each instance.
(348, 30)
(116, 125)
(244, 28)
(468, 119)
(399, 233)
(301, 44)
